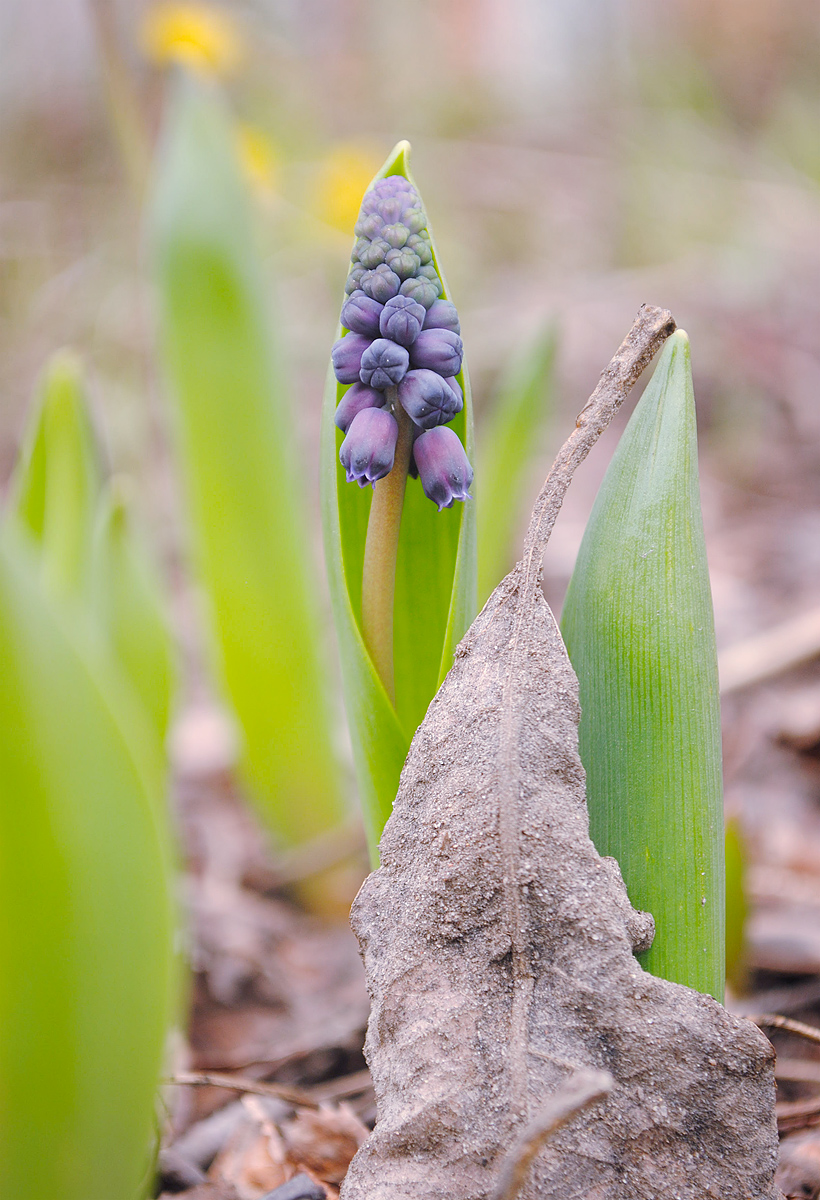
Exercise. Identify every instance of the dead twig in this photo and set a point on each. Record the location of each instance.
(776, 1021)
(767, 654)
(580, 1090)
(797, 1114)
(238, 1083)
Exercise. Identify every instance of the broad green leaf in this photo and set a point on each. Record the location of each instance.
(640, 633)
(240, 464)
(56, 483)
(86, 923)
(507, 442)
(128, 609)
(435, 596)
(737, 906)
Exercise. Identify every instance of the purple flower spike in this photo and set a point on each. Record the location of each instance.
(381, 284)
(384, 364)
(361, 314)
(401, 320)
(443, 467)
(347, 357)
(427, 399)
(369, 448)
(354, 401)
(442, 315)
(438, 350)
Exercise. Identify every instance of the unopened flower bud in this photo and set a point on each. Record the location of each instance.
(396, 235)
(427, 399)
(346, 356)
(443, 467)
(442, 315)
(401, 320)
(380, 284)
(455, 388)
(369, 448)
(354, 401)
(361, 314)
(369, 226)
(421, 248)
(383, 364)
(423, 291)
(375, 253)
(353, 280)
(414, 219)
(438, 350)
(391, 209)
(404, 262)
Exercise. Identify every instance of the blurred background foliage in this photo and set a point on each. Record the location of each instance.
(576, 160)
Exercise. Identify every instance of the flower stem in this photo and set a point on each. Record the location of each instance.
(380, 551)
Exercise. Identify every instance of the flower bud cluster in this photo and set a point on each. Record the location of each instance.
(403, 346)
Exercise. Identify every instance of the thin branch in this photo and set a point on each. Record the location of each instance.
(775, 1021)
(581, 1089)
(650, 330)
(238, 1083)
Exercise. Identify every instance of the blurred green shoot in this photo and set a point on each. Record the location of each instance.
(57, 479)
(507, 442)
(86, 976)
(737, 907)
(639, 628)
(128, 608)
(435, 596)
(240, 464)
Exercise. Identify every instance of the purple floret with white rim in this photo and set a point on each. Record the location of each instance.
(443, 467)
(354, 400)
(438, 350)
(427, 399)
(383, 364)
(369, 448)
(346, 356)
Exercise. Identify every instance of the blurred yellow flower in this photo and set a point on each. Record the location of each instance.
(258, 158)
(199, 36)
(340, 184)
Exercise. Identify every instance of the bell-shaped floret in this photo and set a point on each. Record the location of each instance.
(368, 451)
(361, 314)
(443, 467)
(354, 401)
(442, 315)
(401, 320)
(383, 364)
(346, 356)
(427, 399)
(438, 350)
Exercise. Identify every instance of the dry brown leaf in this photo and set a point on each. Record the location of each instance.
(499, 945)
(324, 1141)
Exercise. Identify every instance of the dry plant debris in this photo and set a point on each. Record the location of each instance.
(499, 946)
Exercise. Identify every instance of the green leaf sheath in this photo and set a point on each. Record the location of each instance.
(56, 483)
(86, 972)
(435, 598)
(639, 628)
(507, 442)
(737, 906)
(238, 454)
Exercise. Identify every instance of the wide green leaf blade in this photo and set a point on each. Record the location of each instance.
(507, 442)
(57, 479)
(639, 628)
(239, 458)
(128, 609)
(85, 912)
(435, 594)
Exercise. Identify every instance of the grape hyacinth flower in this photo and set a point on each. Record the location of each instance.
(395, 321)
(401, 351)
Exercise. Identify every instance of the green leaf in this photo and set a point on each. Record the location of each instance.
(239, 459)
(56, 482)
(86, 971)
(507, 443)
(737, 907)
(435, 595)
(640, 633)
(128, 609)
